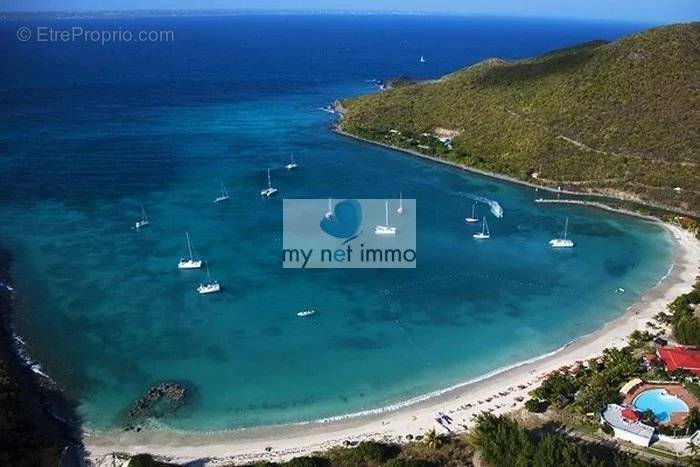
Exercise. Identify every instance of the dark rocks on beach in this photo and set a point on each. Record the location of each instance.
(160, 400)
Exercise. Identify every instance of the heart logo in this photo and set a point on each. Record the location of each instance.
(345, 220)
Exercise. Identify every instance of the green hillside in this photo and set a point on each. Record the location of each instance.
(619, 118)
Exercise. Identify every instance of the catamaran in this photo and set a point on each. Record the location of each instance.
(562, 242)
(472, 219)
(144, 219)
(329, 213)
(208, 285)
(191, 262)
(306, 313)
(269, 191)
(223, 196)
(484, 234)
(400, 209)
(385, 229)
(292, 165)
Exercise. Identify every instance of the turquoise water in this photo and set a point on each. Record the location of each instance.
(660, 402)
(107, 313)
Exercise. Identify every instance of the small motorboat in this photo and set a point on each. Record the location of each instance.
(306, 313)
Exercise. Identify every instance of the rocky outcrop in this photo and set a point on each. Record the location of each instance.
(160, 400)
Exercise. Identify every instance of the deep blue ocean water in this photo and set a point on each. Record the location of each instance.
(89, 133)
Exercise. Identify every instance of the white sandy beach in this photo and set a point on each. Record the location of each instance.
(460, 403)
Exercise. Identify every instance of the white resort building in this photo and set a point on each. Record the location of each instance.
(627, 426)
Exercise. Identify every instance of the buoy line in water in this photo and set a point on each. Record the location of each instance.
(405, 332)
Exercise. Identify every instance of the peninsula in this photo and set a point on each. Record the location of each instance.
(619, 119)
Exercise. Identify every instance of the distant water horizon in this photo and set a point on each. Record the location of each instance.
(92, 132)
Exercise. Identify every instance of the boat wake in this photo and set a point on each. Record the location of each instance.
(495, 207)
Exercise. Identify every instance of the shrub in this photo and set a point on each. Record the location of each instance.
(398, 462)
(147, 460)
(372, 451)
(536, 406)
(311, 461)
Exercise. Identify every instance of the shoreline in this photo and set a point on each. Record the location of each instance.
(462, 402)
(44, 405)
(507, 178)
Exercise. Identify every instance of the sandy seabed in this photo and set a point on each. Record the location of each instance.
(499, 392)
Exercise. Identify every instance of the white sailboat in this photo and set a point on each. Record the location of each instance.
(144, 219)
(562, 242)
(329, 213)
(223, 196)
(208, 285)
(484, 234)
(400, 209)
(385, 229)
(472, 219)
(422, 59)
(191, 262)
(269, 191)
(292, 165)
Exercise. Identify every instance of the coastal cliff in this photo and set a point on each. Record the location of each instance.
(619, 119)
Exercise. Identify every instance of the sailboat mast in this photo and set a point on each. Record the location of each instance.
(189, 246)
(566, 227)
(269, 182)
(386, 212)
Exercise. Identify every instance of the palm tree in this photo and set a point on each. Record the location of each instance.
(692, 421)
(693, 458)
(432, 439)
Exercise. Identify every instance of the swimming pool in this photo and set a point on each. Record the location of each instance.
(660, 402)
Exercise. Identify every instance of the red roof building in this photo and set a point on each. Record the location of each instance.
(680, 358)
(629, 415)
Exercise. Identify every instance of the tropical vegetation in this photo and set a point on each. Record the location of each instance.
(23, 443)
(618, 118)
(684, 317)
